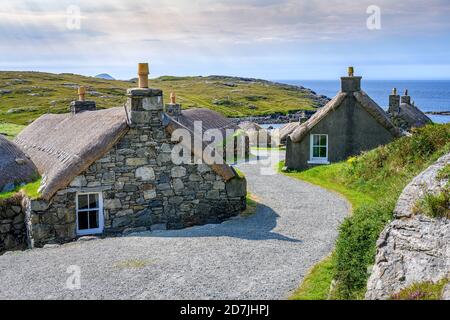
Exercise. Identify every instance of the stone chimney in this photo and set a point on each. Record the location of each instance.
(82, 105)
(406, 98)
(144, 105)
(351, 83)
(173, 109)
(394, 102)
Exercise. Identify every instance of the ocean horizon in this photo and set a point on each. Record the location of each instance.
(428, 95)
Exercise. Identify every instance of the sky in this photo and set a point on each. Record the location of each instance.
(270, 39)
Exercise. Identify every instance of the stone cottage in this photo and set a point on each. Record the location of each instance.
(111, 171)
(349, 124)
(404, 114)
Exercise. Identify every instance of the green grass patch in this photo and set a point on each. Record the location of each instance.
(30, 189)
(435, 205)
(10, 130)
(316, 284)
(444, 173)
(28, 95)
(422, 291)
(372, 183)
(252, 204)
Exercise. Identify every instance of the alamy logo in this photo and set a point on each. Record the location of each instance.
(73, 282)
(73, 17)
(374, 20)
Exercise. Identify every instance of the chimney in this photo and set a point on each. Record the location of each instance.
(351, 83)
(406, 98)
(173, 109)
(82, 105)
(394, 102)
(144, 105)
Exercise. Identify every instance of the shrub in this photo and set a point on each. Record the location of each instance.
(435, 205)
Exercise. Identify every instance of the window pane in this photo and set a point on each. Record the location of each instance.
(316, 152)
(82, 202)
(316, 140)
(93, 201)
(323, 141)
(93, 220)
(83, 221)
(323, 152)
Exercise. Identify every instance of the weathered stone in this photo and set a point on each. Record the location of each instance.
(130, 231)
(219, 185)
(112, 204)
(149, 194)
(145, 173)
(130, 188)
(178, 172)
(135, 162)
(236, 188)
(109, 177)
(213, 195)
(39, 205)
(4, 228)
(123, 221)
(195, 178)
(178, 185)
(446, 293)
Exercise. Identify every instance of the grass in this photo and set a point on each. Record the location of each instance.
(252, 205)
(10, 130)
(24, 96)
(422, 291)
(30, 189)
(435, 205)
(316, 284)
(444, 173)
(372, 183)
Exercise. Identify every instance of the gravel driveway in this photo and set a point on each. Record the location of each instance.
(264, 256)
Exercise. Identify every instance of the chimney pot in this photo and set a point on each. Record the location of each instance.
(173, 98)
(351, 71)
(143, 72)
(81, 93)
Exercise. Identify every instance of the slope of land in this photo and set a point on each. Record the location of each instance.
(24, 96)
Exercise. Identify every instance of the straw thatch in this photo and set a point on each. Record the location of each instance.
(15, 166)
(63, 146)
(209, 119)
(286, 130)
(362, 98)
(412, 116)
(250, 126)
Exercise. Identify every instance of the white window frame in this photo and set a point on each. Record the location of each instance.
(101, 219)
(315, 160)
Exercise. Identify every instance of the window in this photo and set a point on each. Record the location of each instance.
(89, 213)
(319, 149)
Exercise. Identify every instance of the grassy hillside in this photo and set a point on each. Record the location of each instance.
(372, 183)
(24, 96)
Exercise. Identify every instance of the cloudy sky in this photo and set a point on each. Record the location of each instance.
(272, 39)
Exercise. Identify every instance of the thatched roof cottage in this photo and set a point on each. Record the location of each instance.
(15, 166)
(112, 171)
(349, 124)
(258, 136)
(404, 113)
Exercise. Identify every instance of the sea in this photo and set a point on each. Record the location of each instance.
(427, 95)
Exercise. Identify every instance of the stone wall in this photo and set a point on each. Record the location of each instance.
(413, 248)
(142, 189)
(13, 233)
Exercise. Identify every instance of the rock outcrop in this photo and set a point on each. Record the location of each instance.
(413, 248)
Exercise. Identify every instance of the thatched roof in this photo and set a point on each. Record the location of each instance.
(366, 102)
(250, 126)
(15, 166)
(63, 146)
(210, 120)
(413, 116)
(287, 129)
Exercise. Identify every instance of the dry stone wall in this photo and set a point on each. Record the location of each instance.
(13, 232)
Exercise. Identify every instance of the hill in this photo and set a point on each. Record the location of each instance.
(24, 96)
(104, 76)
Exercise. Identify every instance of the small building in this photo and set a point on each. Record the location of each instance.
(109, 172)
(258, 136)
(348, 125)
(404, 114)
(15, 166)
(286, 130)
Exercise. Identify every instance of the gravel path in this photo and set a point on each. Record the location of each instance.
(264, 256)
